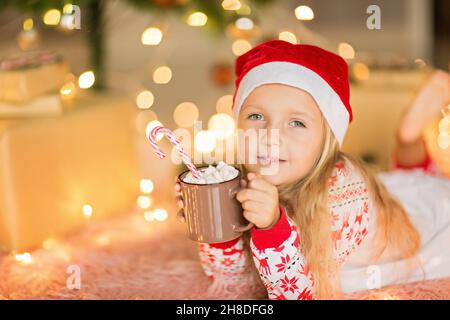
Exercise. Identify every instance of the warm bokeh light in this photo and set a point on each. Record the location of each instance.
(287, 36)
(151, 36)
(224, 104)
(361, 71)
(231, 4)
(205, 141)
(185, 114)
(144, 202)
(146, 186)
(443, 140)
(68, 8)
(49, 243)
(145, 99)
(304, 13)
(28, 24)
(241, 46)
(86, 80)
(24, 258)
(160, 214)
(149, 128)
(52, 17)
(67, 89)
(162, 75)
(244, 10)
(197, 19)
(244, 24)
(87, 211)
(346, 51)
(222, 125)
(444, 124)
(148, 216)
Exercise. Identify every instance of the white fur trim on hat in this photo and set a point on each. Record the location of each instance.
(331, 106)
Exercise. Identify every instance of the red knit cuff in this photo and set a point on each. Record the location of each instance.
(273, 237)
(224, 245)
(422, 165)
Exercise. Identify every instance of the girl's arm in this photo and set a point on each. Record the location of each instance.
(282, 268)
(226, 260)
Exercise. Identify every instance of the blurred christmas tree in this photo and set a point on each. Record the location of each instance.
(219, 13)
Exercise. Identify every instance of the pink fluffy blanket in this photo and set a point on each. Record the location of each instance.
(126, 257)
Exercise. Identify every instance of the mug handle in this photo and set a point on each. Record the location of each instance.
(244, 228)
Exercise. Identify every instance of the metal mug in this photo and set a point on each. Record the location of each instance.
(212, 212)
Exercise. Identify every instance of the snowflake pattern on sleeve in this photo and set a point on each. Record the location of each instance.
(227, 260)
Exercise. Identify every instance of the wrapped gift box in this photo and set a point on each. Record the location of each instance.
(51, 167)
(47, 105)
(22, 79)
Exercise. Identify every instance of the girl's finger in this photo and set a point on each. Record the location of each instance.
(180, 215)
(251, 216)
(180, 202)
(253, 206)
(256, 219)
(243, 183)
(251, 175)
(251, 194)
(177, 187)
(260, 184)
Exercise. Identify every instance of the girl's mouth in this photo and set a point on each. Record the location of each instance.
(265, 161)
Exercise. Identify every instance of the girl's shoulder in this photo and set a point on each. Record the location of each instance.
(344, 173)
(346, 185)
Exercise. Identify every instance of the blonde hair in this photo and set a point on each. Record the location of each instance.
(306, 201)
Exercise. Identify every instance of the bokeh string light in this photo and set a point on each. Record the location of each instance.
(444, 129)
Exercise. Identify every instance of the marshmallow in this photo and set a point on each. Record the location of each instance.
(221, 165)
(222, 172)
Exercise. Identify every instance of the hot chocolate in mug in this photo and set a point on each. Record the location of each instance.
(212, 212)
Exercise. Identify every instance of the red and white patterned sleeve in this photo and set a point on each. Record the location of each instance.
(282, 268)
(276, 252)
(226, 259)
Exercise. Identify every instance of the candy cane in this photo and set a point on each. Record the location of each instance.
(171, 136)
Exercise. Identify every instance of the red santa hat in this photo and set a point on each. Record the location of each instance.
(324, 75)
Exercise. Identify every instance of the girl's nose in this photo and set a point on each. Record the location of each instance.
(271, 136)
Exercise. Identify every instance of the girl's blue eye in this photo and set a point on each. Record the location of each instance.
(297, 123)
(255, 116)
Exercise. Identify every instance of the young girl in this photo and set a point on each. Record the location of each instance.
(324, 222)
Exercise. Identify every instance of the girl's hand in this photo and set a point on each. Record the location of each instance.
(259, 201)
(179, 198)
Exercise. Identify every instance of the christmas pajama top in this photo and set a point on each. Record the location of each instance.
(277, 254)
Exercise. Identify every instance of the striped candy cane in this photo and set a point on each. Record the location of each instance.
(171, 136)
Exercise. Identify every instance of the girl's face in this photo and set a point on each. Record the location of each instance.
(288, 153)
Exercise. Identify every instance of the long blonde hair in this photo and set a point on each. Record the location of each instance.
(307, 204)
